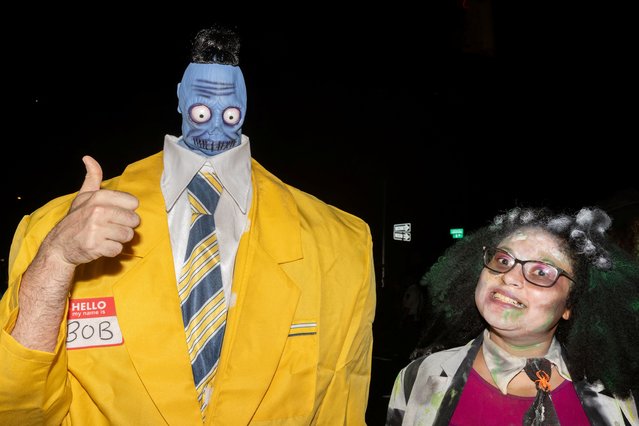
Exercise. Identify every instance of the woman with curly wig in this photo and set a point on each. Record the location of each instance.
(542, 314)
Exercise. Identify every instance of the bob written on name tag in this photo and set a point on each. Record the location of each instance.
(92, 323)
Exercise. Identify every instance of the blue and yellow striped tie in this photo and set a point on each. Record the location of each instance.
(200, 285)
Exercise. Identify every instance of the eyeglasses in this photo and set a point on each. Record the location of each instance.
(535, 272)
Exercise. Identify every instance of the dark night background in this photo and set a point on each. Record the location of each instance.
(440, 116)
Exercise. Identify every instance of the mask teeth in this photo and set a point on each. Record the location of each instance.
(214, 146)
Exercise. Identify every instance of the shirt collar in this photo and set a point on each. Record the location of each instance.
(504, 366)
(233, 168)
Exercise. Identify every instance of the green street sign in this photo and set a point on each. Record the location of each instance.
(457, 232)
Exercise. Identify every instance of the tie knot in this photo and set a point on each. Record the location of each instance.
(539, 371)
(204, 192)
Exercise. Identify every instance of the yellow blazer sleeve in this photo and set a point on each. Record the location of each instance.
(34, 389)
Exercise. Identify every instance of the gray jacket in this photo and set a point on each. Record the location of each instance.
(427, 390)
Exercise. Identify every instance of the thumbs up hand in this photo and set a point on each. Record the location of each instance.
(99, 221)
(93, 178)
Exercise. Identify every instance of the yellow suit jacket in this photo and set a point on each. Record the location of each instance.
(298, 341)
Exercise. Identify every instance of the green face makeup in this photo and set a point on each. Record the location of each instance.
(512, 314)
(546, 324)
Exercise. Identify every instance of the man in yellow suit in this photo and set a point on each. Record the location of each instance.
(98, 320)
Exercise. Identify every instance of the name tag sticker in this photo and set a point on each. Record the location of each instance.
(92, 323)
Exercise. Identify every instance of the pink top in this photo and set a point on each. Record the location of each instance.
(483, 404)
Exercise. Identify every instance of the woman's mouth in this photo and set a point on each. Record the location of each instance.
(505, 299)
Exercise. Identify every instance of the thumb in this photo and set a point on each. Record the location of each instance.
(93, 178)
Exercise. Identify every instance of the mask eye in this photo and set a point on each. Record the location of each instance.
(231, 116)
(200, 113)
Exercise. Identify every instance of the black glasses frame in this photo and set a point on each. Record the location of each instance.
(560, 271)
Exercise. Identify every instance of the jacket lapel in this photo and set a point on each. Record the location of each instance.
(265, 301)
(460, 376)
(259, 318)
(148, 304)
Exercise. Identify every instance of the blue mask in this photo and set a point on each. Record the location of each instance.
(212, 101)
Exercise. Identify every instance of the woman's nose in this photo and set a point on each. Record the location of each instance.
(515, 276)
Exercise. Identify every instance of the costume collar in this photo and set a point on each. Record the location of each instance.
(233, 168)
(504, 366)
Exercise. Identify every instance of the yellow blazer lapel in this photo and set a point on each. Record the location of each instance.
(259, 321)
(151, 324)
(148, 304)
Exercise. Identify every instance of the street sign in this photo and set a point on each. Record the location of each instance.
(401, 227)
(401, 231)
(457, 232)
(401, 236)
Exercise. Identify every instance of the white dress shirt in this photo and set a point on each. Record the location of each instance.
(233, 167)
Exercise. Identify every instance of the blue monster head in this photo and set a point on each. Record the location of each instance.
(212, 100)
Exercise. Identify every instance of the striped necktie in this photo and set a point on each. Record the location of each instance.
(200, 285)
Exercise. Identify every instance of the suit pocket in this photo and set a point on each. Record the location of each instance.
(292, 391)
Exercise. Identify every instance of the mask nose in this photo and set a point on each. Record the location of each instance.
(216, 124)
(215, 131)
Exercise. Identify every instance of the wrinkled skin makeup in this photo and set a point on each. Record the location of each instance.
(212, 101)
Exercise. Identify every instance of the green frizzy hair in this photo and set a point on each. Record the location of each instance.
(602, 341)
(601, 338)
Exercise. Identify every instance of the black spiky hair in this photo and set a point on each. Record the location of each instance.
(218, 44)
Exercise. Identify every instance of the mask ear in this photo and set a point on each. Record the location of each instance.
(178, 95)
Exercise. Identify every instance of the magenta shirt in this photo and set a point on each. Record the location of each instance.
(483, 404)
